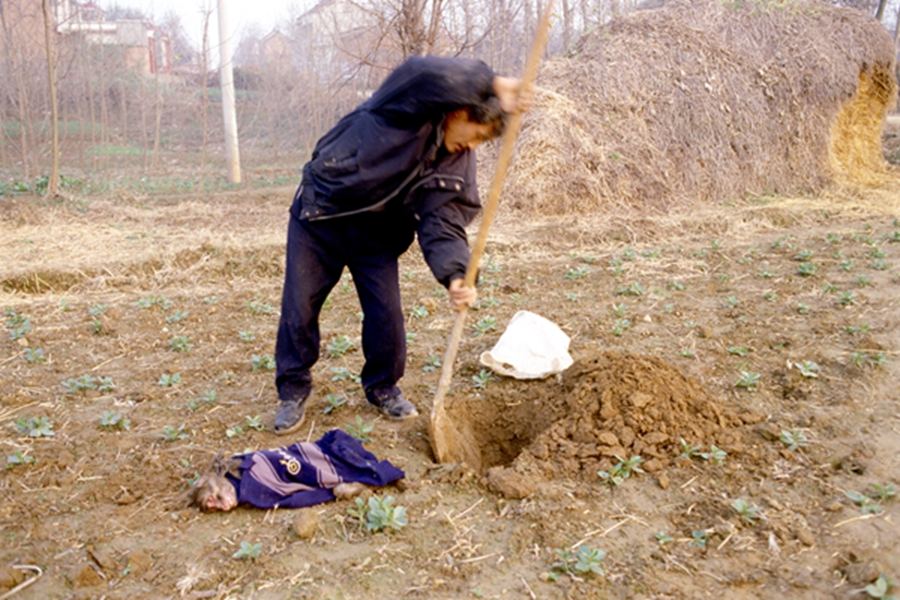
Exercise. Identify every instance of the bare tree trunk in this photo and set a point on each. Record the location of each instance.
(53, 183)
(879, 12)
(145, 143)
(124, 102)
(104, 121)
(95, 158)
(23, 135)
(897, 27)
(567, 25)
(156, 133)
(204, 94)
(6, 84)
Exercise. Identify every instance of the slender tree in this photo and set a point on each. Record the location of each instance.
(53, 183)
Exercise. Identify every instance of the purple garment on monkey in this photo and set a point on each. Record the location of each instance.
(304, 474)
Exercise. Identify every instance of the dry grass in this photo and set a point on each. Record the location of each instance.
(700, 101)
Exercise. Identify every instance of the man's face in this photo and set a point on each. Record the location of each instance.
(462, 134)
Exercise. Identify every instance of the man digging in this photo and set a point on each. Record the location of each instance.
(400, 166)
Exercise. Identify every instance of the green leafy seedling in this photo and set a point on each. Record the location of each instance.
(884, 492)
(248, 551)
(484, 325)
(262, 362)
(700, 537)
(105, 384)
(434, 363)
(166, 380)
(343, 374)
(361, 430)
(717, 455)
(419, 312)
(808, 368)
(209, 397)
(793, 439)
(254, 423)
(382, 514)
(846, 298)
(35, 355)
(663, 538)
(748, 381)
(177, 316)
(247, 336)
(257, 307)
(483, 379)
(80, 384)
(731, 302)
(180, 343)
(807, 269)
(584, 561)
(334, 403)
(621, 471)
(634, 289)
(152, 300)
(35, 427)
(866, 505)
(689, 451)
(749, 514)
(339, 346)
(172, 434)
(877, 360)
(96, 310)
(881, 587)
(19, 458)
(577, 273)
(620, 326)
(110, 421)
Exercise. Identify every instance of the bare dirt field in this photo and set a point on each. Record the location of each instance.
(747, 352)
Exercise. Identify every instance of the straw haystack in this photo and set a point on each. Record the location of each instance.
(707, 100)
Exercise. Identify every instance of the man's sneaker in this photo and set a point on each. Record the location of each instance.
(396, 407)
(290, 415)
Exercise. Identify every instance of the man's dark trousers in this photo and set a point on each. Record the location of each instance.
(368, 244)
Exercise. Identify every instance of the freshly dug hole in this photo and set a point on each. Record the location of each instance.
(607, 405)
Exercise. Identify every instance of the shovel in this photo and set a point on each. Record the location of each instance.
(455, 442)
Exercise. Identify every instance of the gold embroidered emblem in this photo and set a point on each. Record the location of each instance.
(292, 464)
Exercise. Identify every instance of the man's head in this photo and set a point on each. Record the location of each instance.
(466, 128)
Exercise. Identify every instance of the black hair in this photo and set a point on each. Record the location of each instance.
(489, 112)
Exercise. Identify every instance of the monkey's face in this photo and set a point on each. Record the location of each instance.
(215, 493)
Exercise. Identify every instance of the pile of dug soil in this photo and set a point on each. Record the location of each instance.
(607, 407)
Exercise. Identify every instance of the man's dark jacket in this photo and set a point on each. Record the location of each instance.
(389, 151)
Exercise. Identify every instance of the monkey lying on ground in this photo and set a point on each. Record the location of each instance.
(295, 476)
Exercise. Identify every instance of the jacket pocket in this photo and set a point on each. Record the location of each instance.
(332, 167)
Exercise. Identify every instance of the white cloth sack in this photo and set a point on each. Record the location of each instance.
(531, 348)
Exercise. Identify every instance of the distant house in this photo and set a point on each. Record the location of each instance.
(145, 47)
(274, 51)
(338, 33)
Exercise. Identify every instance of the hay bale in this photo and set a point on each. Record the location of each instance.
(703, 101)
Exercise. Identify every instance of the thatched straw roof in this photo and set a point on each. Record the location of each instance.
(705, 101)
